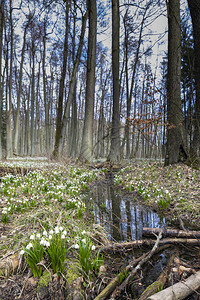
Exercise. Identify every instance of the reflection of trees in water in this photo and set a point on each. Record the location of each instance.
(115, 214)
(123, 218)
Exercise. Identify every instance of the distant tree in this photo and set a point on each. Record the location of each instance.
(1, 83)
(115, 135)
(175, 130)
(194, 7)
(87, 140)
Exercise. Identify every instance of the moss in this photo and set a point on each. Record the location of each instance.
(72, 272)
(45, 279)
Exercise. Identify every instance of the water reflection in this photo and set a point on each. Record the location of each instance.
(122, 216)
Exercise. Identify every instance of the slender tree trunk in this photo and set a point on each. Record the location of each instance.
(9, 108)
(61, 87)
(33, 102)
(15, 148)
(87, 140)
(115, 132)
(194, 7)
(1, 83)
(175, 130)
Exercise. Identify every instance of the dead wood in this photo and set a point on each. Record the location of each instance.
(180, 290)
(115, 247)
(119, 290)
(170, 232)
(9, 265)
(116, 281)
(160, 282)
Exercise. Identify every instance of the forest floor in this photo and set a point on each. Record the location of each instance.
(43, 201)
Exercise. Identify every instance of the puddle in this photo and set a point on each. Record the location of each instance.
(122, 216)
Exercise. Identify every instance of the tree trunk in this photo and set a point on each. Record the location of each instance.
(61, 87)
(176, 145)
(15, 148)
(115, 132)
(1, 83)
(33, 101)
(195, 14)
(87, 140)
(9, 107)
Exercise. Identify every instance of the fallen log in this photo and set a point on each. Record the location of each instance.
(136, 244)
(157, 285)
(121, 288)
(170, 232)
(116, 281)
(180, 290)
(9, 265)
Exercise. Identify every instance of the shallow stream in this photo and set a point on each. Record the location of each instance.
(122, 216)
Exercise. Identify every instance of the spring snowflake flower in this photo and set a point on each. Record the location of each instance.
(38, 235)
(51, 231)
(21, 252)
(29, 246)
(32, 237)
(50, 237)
(93, 247)
(47, 244)
(61, 228)
(83, 232)
(76, 246)
(56, 229)
(65, 232)
(45, 232)
(84, 241)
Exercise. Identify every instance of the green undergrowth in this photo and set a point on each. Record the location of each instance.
(43, 218)
(174, 189)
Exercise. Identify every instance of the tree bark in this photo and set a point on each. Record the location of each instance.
(170, 232)
(180, 290)
(15, 148)
(58, 135)
(194, 7)
(87, 140)
(176, 144)
(1, 83)
(115, 132)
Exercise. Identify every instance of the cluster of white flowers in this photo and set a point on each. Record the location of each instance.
(6, 210)
(83, 241)
(46, 237)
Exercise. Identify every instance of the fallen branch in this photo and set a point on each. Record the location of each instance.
(137, 244)
(157, 285)
(170, 232)
(118, 291)
(180, 290)
(116, 281)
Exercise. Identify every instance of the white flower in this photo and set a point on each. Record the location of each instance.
(50, 237)
(21, 252)
(51, 231)
(47, 244)
(93, 247)
(30, 245)
(32, 237)
(62, 236)
(83, 232)
(38, 235)
(84, 241)
(76, 246)
(42, 242)
(45, 233)
(61, 228)
(56, 229)
(65, 232)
